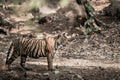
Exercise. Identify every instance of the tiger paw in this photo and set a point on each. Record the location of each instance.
(26, 68)
(7, 68)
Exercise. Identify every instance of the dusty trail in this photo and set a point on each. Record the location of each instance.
(77, 63)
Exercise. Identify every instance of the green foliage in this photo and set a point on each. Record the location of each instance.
(36, 3)
(64, 3)
(16, 1)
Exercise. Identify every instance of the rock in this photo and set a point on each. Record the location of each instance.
(113, 9)
(31, 73)
(46, 74)
(70, 72)
(56, 72)
(78, 77)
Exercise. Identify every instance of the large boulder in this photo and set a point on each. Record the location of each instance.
(113, 9)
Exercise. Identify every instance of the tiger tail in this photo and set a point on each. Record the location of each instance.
(8, 53)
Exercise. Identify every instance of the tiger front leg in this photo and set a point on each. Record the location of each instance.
(50, 62)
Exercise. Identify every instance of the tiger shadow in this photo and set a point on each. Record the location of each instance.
(31, 68)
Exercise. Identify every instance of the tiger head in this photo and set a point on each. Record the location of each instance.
(58, 40)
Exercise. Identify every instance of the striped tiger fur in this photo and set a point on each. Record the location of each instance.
(34, 48)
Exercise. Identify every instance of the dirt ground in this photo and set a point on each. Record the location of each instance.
(92, 57)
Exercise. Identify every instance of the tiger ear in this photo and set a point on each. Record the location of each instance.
(64, 35)
(57, 36)
(45, 34)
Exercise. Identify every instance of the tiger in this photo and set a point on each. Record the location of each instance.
(34, 48)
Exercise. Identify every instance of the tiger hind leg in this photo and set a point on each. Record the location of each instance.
(22, 63)
(11, 60)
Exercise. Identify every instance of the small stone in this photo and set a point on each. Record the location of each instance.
(46, 74)
(77, 76)
(56, 72)
(70, 72)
